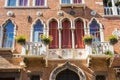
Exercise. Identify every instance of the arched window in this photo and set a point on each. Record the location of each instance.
(79, 33)
(66, 36)
(53, 31)
(95, 30)
(37, 31)
(8, 35)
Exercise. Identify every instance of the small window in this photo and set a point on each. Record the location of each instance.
(100, 77)
(11, 3)
(39, 2)
(35, 77)
(23, 2)
(65, 1)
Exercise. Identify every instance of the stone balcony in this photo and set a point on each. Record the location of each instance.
(37, 49)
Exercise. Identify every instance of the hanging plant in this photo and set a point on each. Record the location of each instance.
(46, 39)
(113, 39)
(21, 39)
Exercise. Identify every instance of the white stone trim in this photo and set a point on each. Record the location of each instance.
(67, 65)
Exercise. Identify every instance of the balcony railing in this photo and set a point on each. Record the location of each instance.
(101, 48)
(111, 11)
(38, 49)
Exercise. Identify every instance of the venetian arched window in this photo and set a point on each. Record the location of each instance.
(79, 33)
(95, 30)
(53, 31)
(8, 35)
(37, 31)
(66, 35)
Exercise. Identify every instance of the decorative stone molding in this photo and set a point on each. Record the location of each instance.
(69, 66)
(39, 14)
(60, 13)
(10, 13)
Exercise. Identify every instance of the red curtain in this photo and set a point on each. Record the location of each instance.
(77, 1)
(66, 38)
(53, 31)
(79, 33)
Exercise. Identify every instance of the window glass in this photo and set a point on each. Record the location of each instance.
(23, 2)
(77, 1)
(66, 1)
(39, 2)
(11, 3)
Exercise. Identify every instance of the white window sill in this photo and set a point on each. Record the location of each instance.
(20, 7)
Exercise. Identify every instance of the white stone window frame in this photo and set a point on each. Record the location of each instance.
(17, 4)
(1, 32)
(101, 29)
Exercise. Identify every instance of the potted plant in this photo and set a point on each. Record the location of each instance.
(21, 39)
(108, 52)
(113, 39)
(88, 39)
(46, 39)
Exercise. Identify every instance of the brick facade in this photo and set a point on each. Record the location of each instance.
(36, 66)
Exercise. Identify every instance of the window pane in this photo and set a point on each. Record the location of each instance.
(8, 35)
(38, 30)
(11, 3)
(39, 2)
(77, 1)
(23, 2)
(65, 1)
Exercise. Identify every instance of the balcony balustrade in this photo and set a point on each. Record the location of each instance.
(112, 11)
(38, 49)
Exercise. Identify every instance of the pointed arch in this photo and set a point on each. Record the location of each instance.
(67, 66)
(66, 34)
(95, 29)
(53, 31)
(79, 33)
(8, 31)
(37, 30)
